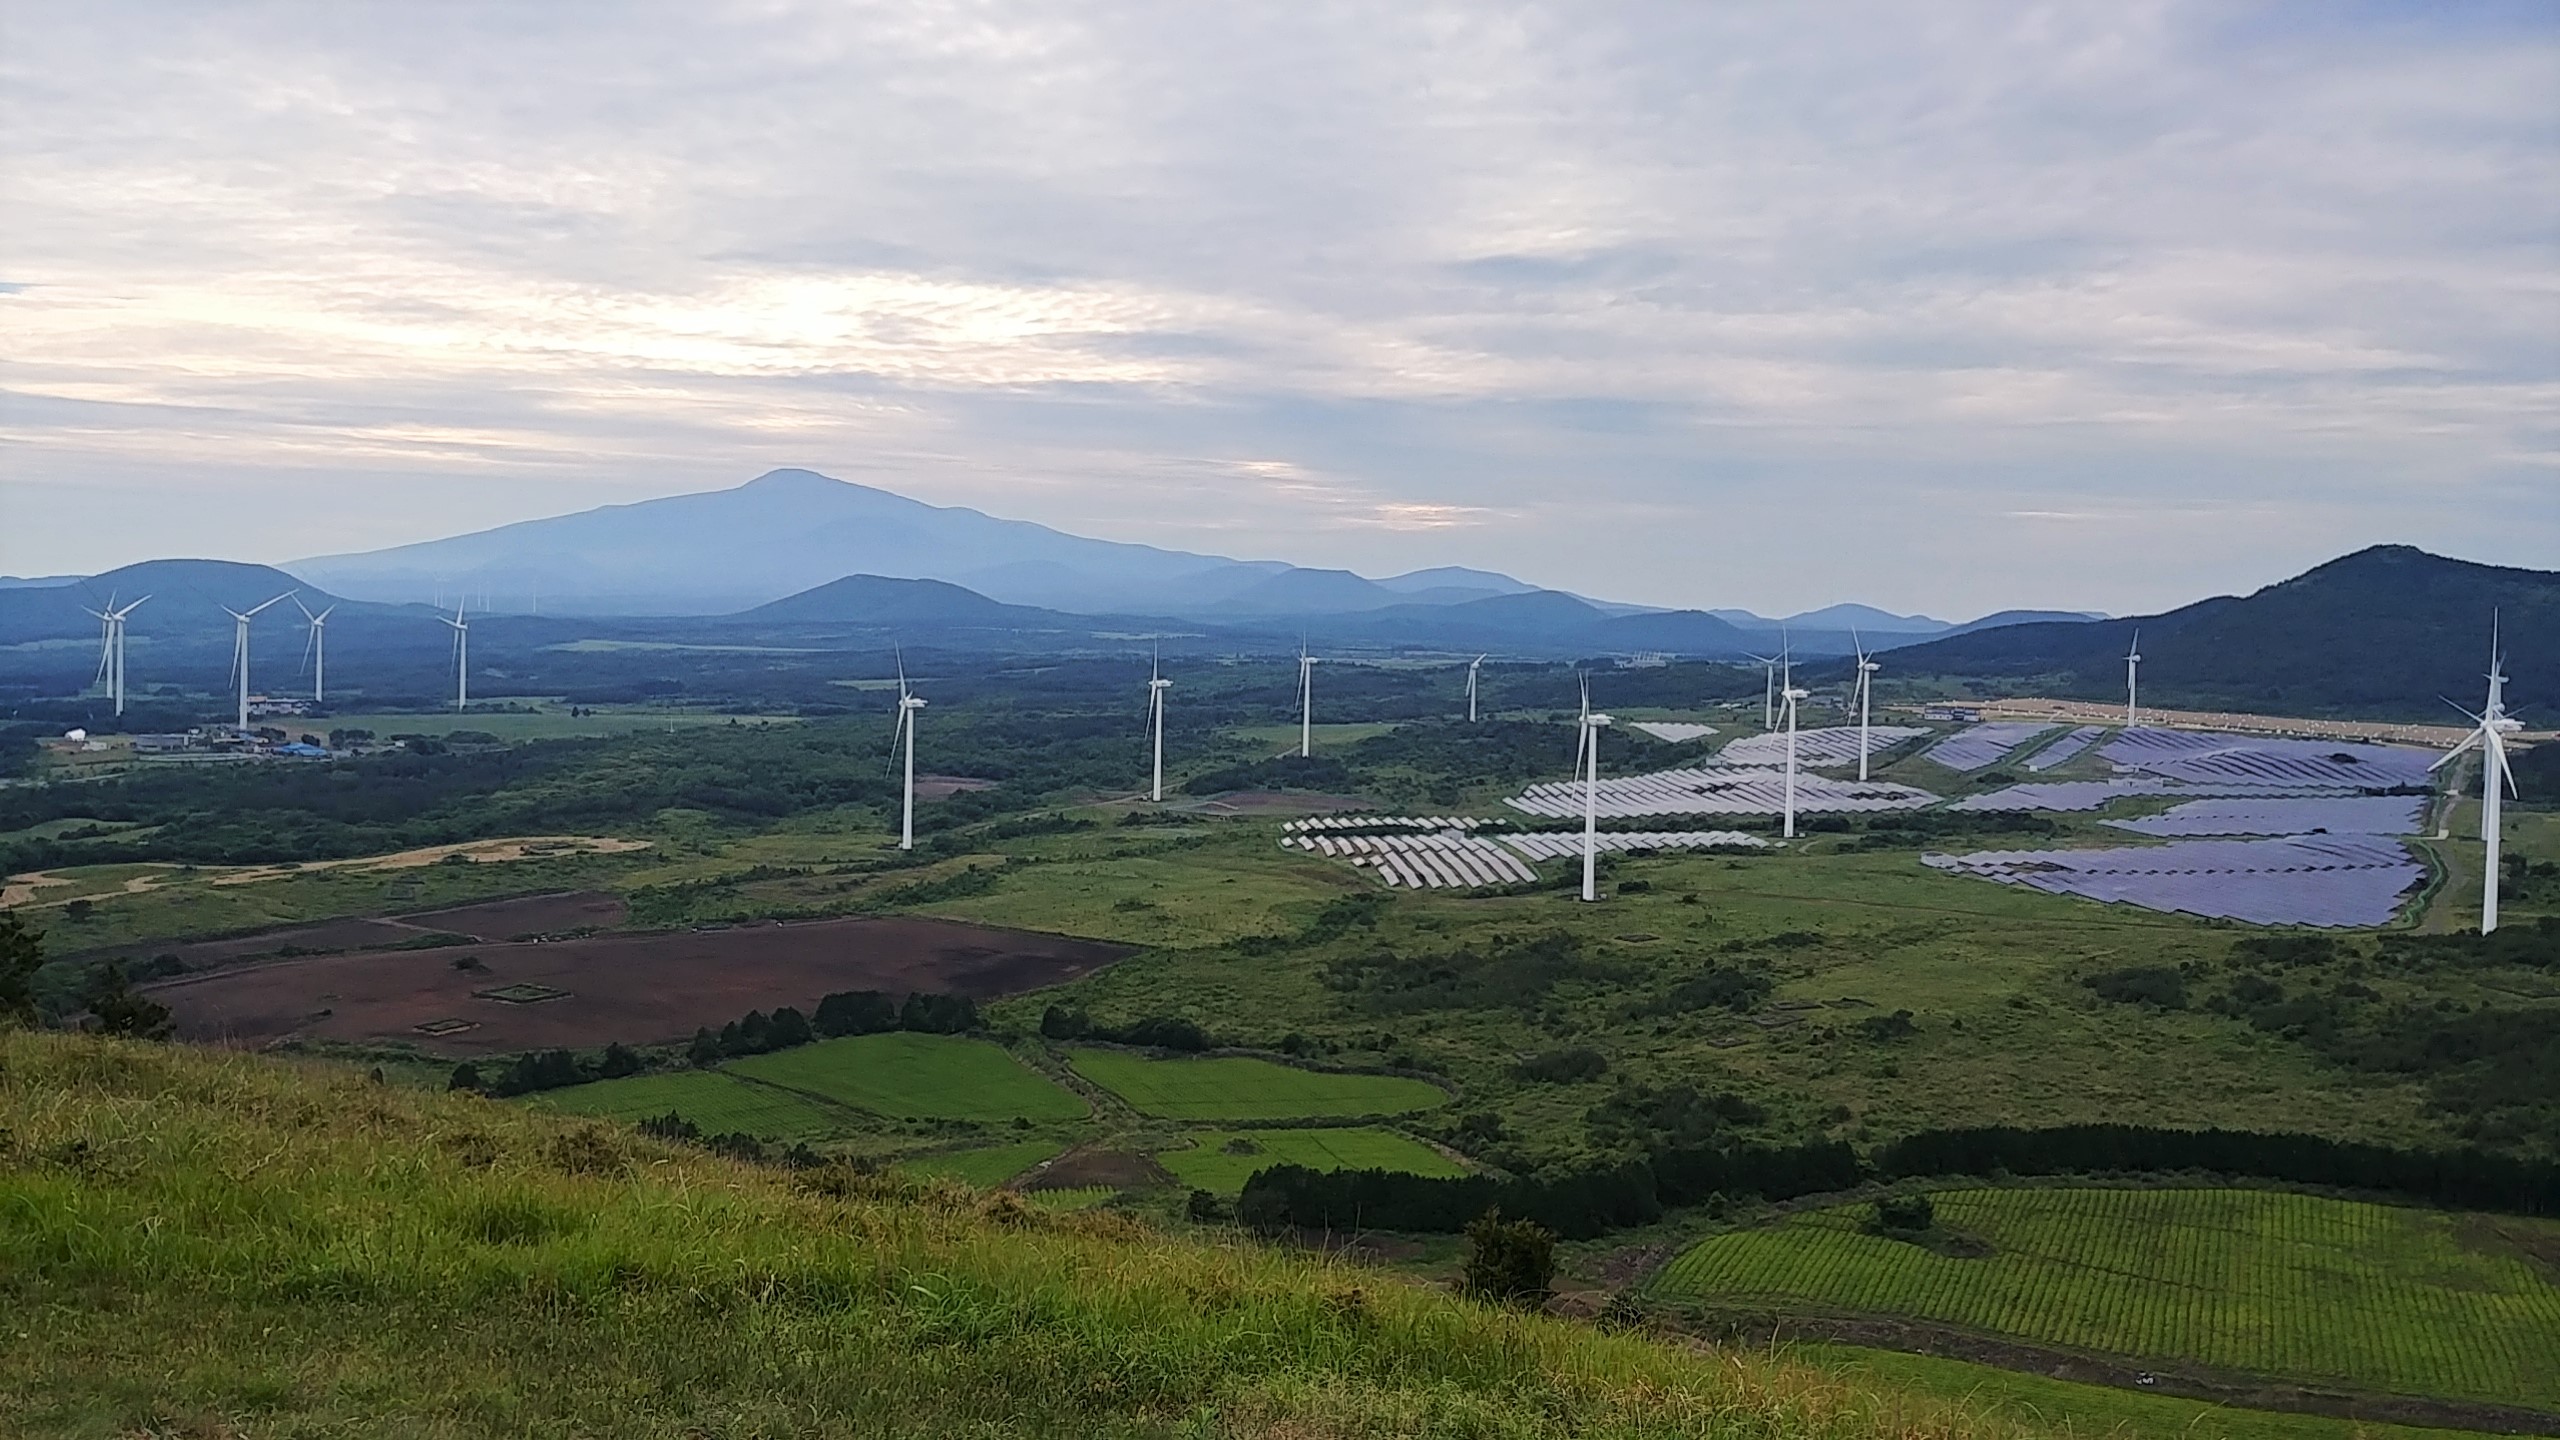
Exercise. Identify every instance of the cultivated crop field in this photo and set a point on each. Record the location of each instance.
(1220, 1160)
(717, 1103)
(2377, 1297)
(1242, 1088)
(916, 1077)
(987, 1166)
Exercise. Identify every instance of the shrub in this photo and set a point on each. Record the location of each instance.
(1907, 1214)
(2156, 985)
(1510, 1262)
(1564, 1067)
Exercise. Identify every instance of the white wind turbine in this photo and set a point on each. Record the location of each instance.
(1472, 667)
(1867, 669)
(2490, 734)
(461, 658)
(1306, 702)
(240, 649)
(2132, 664)
(1791, 695)
(908, 704)
(315, 651)
(1156, 686)
(1586, 757)
(1768, 691)
(111, 649)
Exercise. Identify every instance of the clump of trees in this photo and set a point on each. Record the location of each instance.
(1154, 1032)
(1510, 1262)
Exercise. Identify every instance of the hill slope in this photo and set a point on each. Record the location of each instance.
(2383, 631)
(229, 1245)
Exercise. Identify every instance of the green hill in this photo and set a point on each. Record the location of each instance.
(199, 1244)
(2384, 632)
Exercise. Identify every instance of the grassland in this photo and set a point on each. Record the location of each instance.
(229, 1245)
(908, 1076)
(2061, 1405)
(2295, 1286)
(1233, 1087)
(1222, 1160)
(985, 1166)
(717, 1103)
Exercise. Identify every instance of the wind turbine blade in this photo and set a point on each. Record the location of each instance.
(2448, 757)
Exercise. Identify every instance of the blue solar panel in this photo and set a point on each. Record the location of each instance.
(2353, 814)
(2205, 758)
(2333, 880)
(1978, 745)
(2064, 749)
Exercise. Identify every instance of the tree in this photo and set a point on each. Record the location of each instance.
(1064, 1022)
(1510, 1262)
(114, 1008)
(21, 952)
(619, 1060)
(789, 1028)
(705, 1049)
(855, 1012)
(1910, 1214)
(466, 1076)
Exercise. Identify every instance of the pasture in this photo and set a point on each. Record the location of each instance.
(986, 1166)
(2294, 1286)
(719, 1104)
(916, 1077)
(1222, 1160)
(1231, 1087)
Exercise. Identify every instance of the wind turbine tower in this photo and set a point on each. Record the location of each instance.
(2490, 734)
(1791, 695)
(2132, 664)
(316, 649)
(1867, 668)
(461, 659)
(1768, 692)
(240, 649)
(1306, 703)
(908, 704)
(1588, 753)
(111, 650)
(1472, 667)
(1156, 686)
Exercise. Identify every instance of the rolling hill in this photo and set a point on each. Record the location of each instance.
(2389, 630)
(392, 1260)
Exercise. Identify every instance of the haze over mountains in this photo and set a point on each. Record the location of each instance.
(789, 531)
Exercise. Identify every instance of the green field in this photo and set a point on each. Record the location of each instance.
(984, 1167)
(717, 1103)
(2297, 1286)
(2041, 1403)
(1081, 1197)
(1213, 1162)
(916, 1077)
(1240, 1088)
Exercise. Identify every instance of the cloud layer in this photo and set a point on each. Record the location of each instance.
(1946, 307)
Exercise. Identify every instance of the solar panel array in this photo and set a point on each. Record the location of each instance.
(2335, 815)
(1830, 745)
(1425, 861)
(1382, 822)
(1978, 745)
(2066, 795)
(1678, 732)
(2064, 749)
(2203, 758)
(2328, 881)
(1559, 844)
(1717, 791)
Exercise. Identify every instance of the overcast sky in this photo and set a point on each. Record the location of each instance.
(1940, 306)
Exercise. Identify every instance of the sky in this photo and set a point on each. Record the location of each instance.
(1944, 308)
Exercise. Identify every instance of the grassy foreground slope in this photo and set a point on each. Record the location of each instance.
(203, 1244)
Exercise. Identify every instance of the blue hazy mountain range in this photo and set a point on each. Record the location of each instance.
(722, 552)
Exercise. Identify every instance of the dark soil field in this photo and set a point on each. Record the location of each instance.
(526, 915)
(640, 989)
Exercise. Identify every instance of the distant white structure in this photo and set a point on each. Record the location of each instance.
(2490, 734)
(461, 658)
(240, 650)
(1791, 695)
(1156, 686)
(1306, 702)
(315, 651)
(1472, 667)
(1588, 756)
(908, 704)
(111, 651)
(2132, 664)
(1867, 668)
